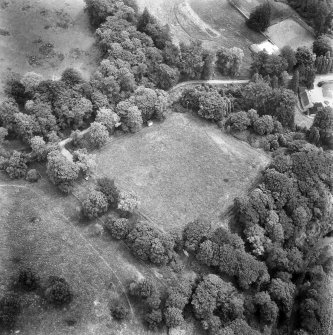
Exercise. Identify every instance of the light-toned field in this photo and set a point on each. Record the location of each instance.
(182, 169)
(289, 32)
(30, 25)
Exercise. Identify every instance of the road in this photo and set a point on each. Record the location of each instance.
(210, 82)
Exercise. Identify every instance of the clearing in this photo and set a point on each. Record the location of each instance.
(45, 36)
(181, 169)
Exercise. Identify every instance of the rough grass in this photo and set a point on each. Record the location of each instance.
(34, 24)
(182, 169)
(224, 18)
(97, 268)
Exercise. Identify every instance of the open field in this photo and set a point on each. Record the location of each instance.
(45, 36)
(182, 169)
(96, 267)
(289, 32)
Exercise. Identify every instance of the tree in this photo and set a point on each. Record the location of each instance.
(86, 162)
(307, 76)
(28, 280)
(148, 243)
(283, 293)
(213, 106)
(109, 189)
(39, 148)
(289, 55)
(98, 134)
(127, 202)
(194, 233)
(30, 81)
(154, 319)
(260, 17)
(118, 228)
(95, 204)
(17, 165)
(26, 126)
(294, 85)
(304, 56)
(57, 291)
(3, 134)
(168, 76)
(238, 121)
(173, 317)
(119, 311)
(191, 60)
(108, 118)
(209, 63)
(264, 125)
(322, 45)
(9, 310)
(71, 77)
(61, 171)
(130, 116)
(229, 61)
(8, 110)
(42, 112)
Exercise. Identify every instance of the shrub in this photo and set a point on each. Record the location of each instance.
(32, 176)
(98, 134)
(118, 228)
(57, 291)
(95, 204)
(119, 311)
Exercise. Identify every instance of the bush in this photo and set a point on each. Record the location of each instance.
(119, 311)
(32, 176)
(95, 204)
(98, 134)
(118, 228)
(57, 291)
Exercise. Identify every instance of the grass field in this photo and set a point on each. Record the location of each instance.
(182, 169)
(97, 268)
(289, 32)
(32, 27)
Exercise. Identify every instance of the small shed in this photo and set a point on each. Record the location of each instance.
(267, 46)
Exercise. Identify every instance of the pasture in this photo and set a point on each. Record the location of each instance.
(182, 169)
(45, 36)
(40, 229)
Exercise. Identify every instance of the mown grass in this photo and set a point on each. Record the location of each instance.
(181, 169)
